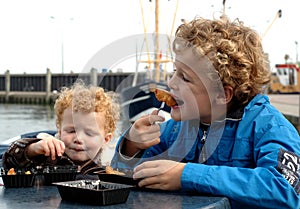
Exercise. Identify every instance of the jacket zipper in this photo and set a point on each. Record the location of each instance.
(203, 139)
(203, 150)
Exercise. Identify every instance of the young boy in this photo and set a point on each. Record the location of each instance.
(86, 119)
(224, 137)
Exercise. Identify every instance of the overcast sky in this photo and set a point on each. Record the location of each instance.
(34, 31)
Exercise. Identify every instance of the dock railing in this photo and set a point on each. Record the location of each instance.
(43, 88)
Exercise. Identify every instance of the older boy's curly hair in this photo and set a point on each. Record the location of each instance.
(235, 51)
(82, 98)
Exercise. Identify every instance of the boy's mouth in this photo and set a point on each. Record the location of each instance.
(179, 102)
(78, 149)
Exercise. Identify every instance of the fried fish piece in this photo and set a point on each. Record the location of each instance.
(165, 96)
(11, 172)
(110, 170)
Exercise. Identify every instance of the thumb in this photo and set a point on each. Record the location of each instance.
(155, 116)
(154, 112)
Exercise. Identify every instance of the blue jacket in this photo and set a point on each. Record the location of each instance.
(238, 159)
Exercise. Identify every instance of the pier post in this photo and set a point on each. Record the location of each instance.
(94, 77)
(7, 86)
(48, 86)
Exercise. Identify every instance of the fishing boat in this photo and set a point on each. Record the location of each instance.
(285, 79)
(139, 99)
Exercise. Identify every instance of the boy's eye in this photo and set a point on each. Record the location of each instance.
(70, 131)
(89, 133)
(180, 74)
(185, 79)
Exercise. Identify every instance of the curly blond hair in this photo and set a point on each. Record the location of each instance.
(82, 98)
(234, 50)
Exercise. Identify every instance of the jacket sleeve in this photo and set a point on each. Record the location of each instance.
(16, 156)
(260, 187)
(122, 161)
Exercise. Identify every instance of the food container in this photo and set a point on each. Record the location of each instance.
(93, 192)
(59, 173)
(118, 179)
(13, 178)
(125, 178)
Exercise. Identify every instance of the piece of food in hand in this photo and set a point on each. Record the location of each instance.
(11, 172)
(110, 170)
(165, 96)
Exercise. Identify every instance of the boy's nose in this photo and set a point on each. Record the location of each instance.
(172, 83)
(79, 137)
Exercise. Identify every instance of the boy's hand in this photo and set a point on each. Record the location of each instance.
(159, 174)
(48, 146)
(143, 134)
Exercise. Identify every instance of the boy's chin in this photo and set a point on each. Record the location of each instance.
(178, 115)
(79, 159)
(175, 116)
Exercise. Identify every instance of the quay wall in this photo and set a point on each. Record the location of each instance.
(43, 88)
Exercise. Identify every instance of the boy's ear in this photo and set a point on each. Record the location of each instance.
(226, 97)
(108, 137)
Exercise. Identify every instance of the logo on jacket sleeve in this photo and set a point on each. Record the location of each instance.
(289, 167)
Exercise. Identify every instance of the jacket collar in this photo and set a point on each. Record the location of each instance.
(238, 111)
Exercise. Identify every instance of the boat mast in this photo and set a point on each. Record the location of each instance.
(157, 54)
(155, 63)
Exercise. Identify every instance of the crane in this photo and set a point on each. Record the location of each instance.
(277, 16)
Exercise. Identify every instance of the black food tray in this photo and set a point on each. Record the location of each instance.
(59, 174)
(20, 179)
(58, 177)
(93, 192)
(118, 179)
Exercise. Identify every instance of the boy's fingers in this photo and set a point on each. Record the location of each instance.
(62, 149)
(154, 112)
(52, 149)
(153, 118)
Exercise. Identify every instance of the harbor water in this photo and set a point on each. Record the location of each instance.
(17, 119)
